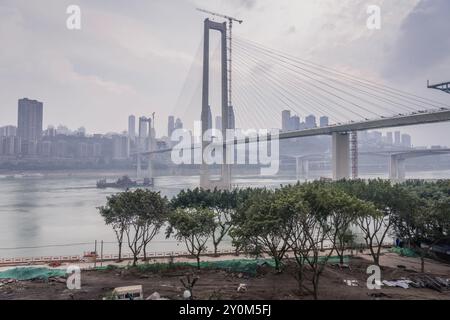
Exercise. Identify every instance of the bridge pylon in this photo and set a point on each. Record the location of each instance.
(205, 179)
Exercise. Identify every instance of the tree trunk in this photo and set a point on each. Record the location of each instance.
(316, 287)
(145, 253)
(120, 251)
(135, 259)
(300, 280)
(216, 245)
(376, 260)
(277, 264)
(422, 264)
(198, 261)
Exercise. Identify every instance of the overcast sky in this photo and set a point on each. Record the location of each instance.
(132, 57)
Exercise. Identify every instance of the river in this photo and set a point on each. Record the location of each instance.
(56, 214)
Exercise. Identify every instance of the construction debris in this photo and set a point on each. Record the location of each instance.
(435, 283)
(351, 283)
(242, 287)
(421, 281)
(403, 283)
(154, 296)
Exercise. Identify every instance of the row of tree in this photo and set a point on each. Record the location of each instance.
(298, 219)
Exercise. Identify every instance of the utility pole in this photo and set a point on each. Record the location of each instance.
(230, 48)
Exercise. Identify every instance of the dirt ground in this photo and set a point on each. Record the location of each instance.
(219, 284)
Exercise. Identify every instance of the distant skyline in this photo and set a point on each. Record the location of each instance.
(133, 57)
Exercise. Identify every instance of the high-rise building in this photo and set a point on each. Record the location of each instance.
(29, 123)
(294, 123)
(324, 122)
(50, 132)
(231, 118)
(389, 138)
(121, 147)
(132, 127)
(178, 124)
(63, 130)
(8, 131)
(10, 145)
(310, 122)
(285, 120)
(397, 138)
(406, 141)
(143, 126)
(170, 126)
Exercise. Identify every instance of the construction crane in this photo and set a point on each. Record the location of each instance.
(230, 48)
(445, 86)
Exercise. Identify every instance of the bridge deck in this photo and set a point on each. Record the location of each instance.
(399, 121)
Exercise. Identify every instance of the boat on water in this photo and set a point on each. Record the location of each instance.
(124, 183)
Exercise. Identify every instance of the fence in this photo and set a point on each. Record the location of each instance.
(101, 258)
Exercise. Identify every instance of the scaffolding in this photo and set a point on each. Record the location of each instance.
(354, 153)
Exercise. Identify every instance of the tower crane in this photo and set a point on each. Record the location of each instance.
(445, 86)
(230, 49)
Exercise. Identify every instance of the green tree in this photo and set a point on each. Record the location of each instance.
(139, 214)
(221, 202)
(375, 224)
(193, 226)
(115, 216)
(261, 227)
(424, 218)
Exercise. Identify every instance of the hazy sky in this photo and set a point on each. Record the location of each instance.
(132, 57)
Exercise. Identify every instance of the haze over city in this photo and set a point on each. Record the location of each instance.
(97, 76)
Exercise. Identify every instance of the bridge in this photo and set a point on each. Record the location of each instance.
(270, 81)
(397, 158)
(397, 170)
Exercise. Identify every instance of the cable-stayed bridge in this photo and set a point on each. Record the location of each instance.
(267, 81)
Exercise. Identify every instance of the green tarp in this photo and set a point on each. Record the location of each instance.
(31, 273)
(406, 252)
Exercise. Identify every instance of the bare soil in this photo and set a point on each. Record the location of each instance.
(219, 284)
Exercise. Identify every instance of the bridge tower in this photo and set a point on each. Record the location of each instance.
(145, 144)
(205, 181)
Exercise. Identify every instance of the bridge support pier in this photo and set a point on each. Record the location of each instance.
(341, 155)
(397, 170)
(302, 168)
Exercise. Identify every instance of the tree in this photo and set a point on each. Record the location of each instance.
(154, 214)
(424, 217)
(261, 227)
(375, 224)
(193, 226)
(114, 215)
(225, 205)
(221, 202)
(324, 209)
(343, 210)
(139, 214)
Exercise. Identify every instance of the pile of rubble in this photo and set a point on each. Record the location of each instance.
(4, 282)
(421, 281)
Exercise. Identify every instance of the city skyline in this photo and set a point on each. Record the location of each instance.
(141, 74)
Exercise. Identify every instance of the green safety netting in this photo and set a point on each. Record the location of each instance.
(406, 252)
(31, 273)
(246, 266)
